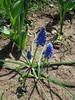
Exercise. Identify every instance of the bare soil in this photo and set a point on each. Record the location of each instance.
(48, 17)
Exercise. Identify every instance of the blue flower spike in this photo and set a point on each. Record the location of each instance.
(41, 38)
(49, 51)
(29, 55)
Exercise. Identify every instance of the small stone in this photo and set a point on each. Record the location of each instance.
(54, 32)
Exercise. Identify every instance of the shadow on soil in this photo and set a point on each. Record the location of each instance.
(20, 92)
(56, 19)
(6, 50)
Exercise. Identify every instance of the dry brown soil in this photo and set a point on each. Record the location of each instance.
(49, 18)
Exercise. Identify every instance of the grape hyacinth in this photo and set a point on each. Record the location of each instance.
(29, 55)
(49, 51)
(41, 39)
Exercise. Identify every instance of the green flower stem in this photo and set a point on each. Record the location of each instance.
(39, 62)
(61, 12)
(33, 42)
(41, 55)
(61, 20)
(34, 56)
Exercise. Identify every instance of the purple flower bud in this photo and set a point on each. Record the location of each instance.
(41, 39)
(29, 55)
(49, 51)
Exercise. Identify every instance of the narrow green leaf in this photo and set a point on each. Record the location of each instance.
(13, 21)
(22, 38)
(42, 88)
(6, 5)
(74, 98)
(13, 61)
(58, 82)
(39, 62)
(60, 2)
(1, 97)
(25, 57)
(34, 73)
(1, 2)
(17, 8)
(69, 5)
(69, 92)
(49, 64)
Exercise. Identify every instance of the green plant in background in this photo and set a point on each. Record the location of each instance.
(17, 11)
(64, 6)
(35, 69)
(3, 18)
(38, 4)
